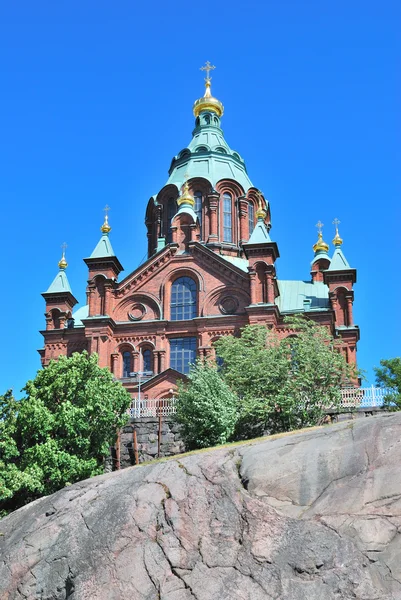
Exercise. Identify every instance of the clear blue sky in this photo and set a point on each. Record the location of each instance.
(97, 97)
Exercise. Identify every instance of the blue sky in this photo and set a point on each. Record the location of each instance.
(97, 98)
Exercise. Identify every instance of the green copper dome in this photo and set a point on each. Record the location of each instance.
(209, 156)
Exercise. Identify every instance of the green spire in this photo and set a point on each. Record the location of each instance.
(60, 283)
(104, 247)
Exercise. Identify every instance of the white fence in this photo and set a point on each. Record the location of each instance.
(350, 398)
(152, 408)
(371, 397)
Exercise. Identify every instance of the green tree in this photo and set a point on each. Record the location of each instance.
(61, 431)
(388, 375)
(206, 408)
(283, 383)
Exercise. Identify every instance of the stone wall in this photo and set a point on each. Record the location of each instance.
(147, 431)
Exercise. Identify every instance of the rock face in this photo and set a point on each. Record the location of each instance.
(309, 516)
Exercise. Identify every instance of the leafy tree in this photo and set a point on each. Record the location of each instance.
(206, 408)
(61, 431)
(283, 383)
(389, 376)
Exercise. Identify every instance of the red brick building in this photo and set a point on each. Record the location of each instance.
(210, 271)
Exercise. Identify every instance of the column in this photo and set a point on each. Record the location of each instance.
(213, 199)
(252, 277)
(349, 310)
(114, 363)
(243, 219)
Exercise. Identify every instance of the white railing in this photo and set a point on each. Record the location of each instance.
(350, 398)
(152, 408)
(363, 397)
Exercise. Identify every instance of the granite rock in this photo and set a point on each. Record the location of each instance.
(307, 516)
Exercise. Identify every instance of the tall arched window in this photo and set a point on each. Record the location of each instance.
(171, 210)
(183, 299)
(227, 218)
(126, 363)
(147, 360)
(198, 208)
(251, 217)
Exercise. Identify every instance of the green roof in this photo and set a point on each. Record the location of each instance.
(338, 262)
(259, 235)
(78, 315)
(60, 284)
(208, 155)
(103, 248)
(298, 296)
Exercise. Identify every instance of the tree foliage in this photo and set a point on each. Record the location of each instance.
(388, 375)
(60, 432)
(283, 383)
(206, 408)
(274, 383)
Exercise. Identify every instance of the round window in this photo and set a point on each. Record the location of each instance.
(229, 305)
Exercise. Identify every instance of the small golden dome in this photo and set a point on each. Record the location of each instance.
(62, 263)
(208, 102)
(320, 245)
(186, 197)
(261, 212)
(337, 241)
(105, 228)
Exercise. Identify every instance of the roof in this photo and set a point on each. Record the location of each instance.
(208, 155)
(103, 248)
(60, 284)
(259, 235)
(298, 296)
(78, 315)
(338, 262)
(241, 263)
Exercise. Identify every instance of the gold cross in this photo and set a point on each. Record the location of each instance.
(208, 67)
(106, 209)
(63, 247)
(336, 223)
(319, 226)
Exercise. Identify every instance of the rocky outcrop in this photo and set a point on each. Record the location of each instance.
(308, 516)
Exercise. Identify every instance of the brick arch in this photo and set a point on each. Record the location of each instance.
(165, 288)
(150, 301)
(210, 305)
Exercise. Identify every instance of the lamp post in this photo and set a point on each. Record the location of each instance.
(140, 374)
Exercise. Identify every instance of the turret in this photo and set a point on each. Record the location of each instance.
(262, 254)
(104, 268)
(59, 298)
(340, 278)
(321, 260)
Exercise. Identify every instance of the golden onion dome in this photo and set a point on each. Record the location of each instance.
(261, 212)
(105, 228)
(337, 241)
(320, 245)
(186, 197)
(208, 102)
(62, 263)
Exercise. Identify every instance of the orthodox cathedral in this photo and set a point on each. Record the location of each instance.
(210, 271)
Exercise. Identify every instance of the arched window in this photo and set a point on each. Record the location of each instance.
(126, 363)
(171, 210)
(183, 299)
(251, 217)
(147, 360)
(198, 208)
(227, 218)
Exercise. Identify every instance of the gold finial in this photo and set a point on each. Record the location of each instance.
(320, 245)
(105, 228)
(208, 102)
(337, 241)
(261, 211)
(186, 196)
(62, 263)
